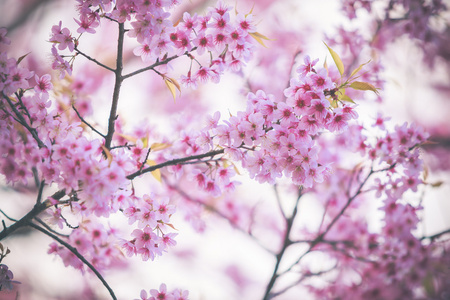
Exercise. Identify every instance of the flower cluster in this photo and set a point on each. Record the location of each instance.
(226, 39)
(274, 138)
(94, 242)
(163, 294)
(152, 216)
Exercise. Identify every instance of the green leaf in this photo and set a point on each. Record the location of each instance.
(358, 69)
(337, 60)
(259, 38)
(363, 86)
(347, 99)
(159, 146)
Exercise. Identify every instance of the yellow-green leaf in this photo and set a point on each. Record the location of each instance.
(355, 71)
(155, 173)
(171, 226)
(259, 38)
(425, 173)
(337, 60)
(108, 155)
(363, 86)
(144, 142)
(173, 85)
(127, 137)
(347, 99)
(251, 10)
(159, 146)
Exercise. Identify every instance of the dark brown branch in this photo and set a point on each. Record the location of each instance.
(93, 60)
(117, 85)
(89, 125)
(77, 254)
(23, 122)
(49, 228)
(321, 236)
(217, 212)
(286, 243)
(36, 210)
(175, 162)
(435, 236)
(157, 63)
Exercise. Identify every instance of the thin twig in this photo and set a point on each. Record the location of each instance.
(321, 236)
(157, 63)
(145, 160)
(273, 295)
(174, 162)
(435, 236)
(36, 210)
(286, 243)
(77, 254)
(49, 228)
(89, 125)
(8, 217)
(277, 196)
(23, 122)
(217, 212)
(93, 60)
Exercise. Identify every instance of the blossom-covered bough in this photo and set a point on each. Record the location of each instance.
(307, 140)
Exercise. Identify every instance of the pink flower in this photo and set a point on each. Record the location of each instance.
(162, 294)
(3, 38)
(163, 210)
(144, 51)
(87, 24)
(43, 84)
(308, 66)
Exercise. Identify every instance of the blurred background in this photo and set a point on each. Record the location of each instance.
(221, 262)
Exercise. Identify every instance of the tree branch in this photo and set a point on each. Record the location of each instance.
(117, 85)
(93, 60)
(175, 162)
(286, 243)
(157, 63)
(89, 125)
(23, 122)
(36, 210)
(435, 236)
(77, 254)
(219, 213)
(321, 236)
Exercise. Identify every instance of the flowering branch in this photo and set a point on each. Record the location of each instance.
(219, 213)
(286, 243)
(36, 210)
(89, 125)
(435, 236)
(23, 122)
(174, 162)
(77, 254)
(93, 59)
(157, 63)
(117, 85)
(321, 236)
